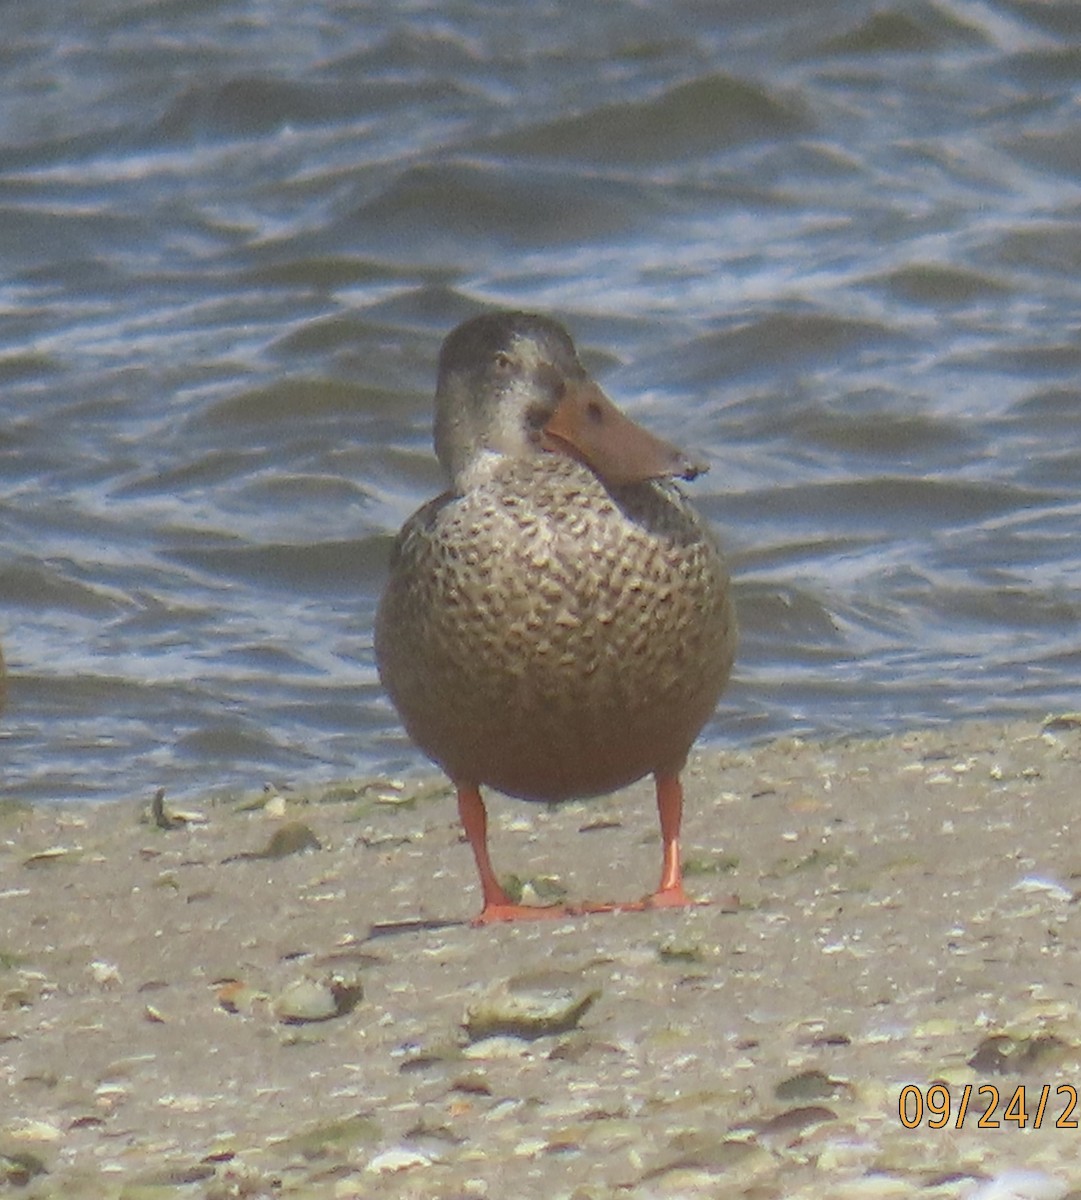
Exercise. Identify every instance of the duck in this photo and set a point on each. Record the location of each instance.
(559, 622)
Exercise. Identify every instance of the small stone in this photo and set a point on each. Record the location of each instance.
(291, 838)
(307, 999)
(1001, 1054)
(33, 1131)
(533, 1005)
(392, 1161)
(105, 974)
(788, 1127)
(495, 1048)
(810, 1085)
(19, 1168)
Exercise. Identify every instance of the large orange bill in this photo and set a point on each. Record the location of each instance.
(589, 427)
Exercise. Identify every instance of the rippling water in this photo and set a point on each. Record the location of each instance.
(834, 246)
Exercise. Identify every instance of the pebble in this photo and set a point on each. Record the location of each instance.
(307, 999)
(391, 1161)
(529, 1006)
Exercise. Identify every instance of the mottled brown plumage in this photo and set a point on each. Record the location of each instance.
(552, 627)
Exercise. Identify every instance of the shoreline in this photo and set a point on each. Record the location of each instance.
(200, 1009)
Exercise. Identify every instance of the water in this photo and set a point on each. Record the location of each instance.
(833, 246)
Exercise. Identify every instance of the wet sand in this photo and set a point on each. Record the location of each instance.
(883, 913)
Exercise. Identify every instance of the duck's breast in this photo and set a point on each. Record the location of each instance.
(550, 638)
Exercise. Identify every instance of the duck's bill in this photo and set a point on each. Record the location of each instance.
(589, 427)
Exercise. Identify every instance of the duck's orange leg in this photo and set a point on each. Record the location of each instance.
(498, 906)
(670, 894)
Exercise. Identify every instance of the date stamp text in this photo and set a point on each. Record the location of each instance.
(988, 1107)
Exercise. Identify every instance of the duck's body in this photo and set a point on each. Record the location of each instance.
(553, 639)
(553, 626)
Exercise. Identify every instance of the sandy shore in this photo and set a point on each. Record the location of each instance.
(884, 913)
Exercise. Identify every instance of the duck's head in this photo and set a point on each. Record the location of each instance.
(510, 385)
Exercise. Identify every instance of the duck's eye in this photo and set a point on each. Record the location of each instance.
(502, 361)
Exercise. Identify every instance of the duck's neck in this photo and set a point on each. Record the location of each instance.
(478, 470)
